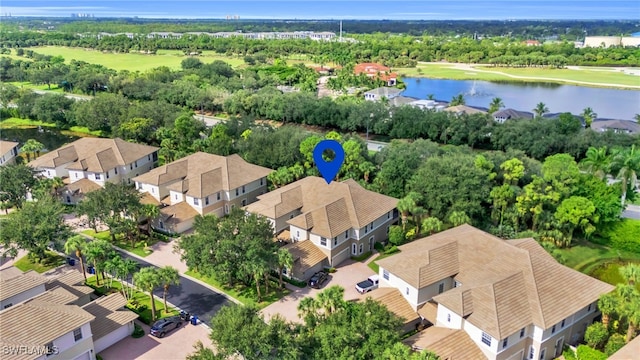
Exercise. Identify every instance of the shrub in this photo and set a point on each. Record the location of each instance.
(391, 250)
(616, 341)
(378, 246)
(624, 235)
(586, 353)
(137, 331)
(362, 256)
(396, 235)
(135, 306)
(596, 335)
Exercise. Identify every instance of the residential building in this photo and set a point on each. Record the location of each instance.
(429, 104)
(8, 152)
(201, 184)
(608, 41)
(532, 42)
(503, 115)
(380, 93)
(377, 71)
(16, 286)
(464, 109)
(51, 324)
(509, 299)
(617, 126)
(342, 219)
(402, 100)
(94, 161)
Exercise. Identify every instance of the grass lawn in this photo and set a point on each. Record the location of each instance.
(52, 260)
(246, 295)
(28, 85)
(140, 297)
(138, 248)
(610, 273)
(18, 123)
(586, 256)
(591, 75)
(81, 131)
(374, 266)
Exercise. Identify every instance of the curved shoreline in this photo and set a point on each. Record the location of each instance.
(465, 69)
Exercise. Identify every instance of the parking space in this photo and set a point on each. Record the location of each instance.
(175, 345)
(347, 276)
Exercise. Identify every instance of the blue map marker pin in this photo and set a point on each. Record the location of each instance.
(328, 169)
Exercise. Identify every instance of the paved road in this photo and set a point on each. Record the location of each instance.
(190, 296)
(632, 212)
(68, 96)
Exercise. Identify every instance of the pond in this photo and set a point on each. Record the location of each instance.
(50, 138)
(609, 272)
(607, 103)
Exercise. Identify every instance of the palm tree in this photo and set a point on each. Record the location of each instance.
(597, 161)
(496, 104)
(457, 100)
(432, 225)
(148, 280)
(627, 164)
(150, 212)
(112, 266)
(631, 272)
(417, 213)
(77, 244)
(97, 252)
(168, 276)
(631, 310)
(285, 260)
(430, 97)
(331, 299)
(588, 115)
(307, 309)
(406, 205)
(127, 267)
(540, 109)
(32, 146)
(458, 218)
(607, 304)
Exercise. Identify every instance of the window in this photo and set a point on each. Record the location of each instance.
(486, 338)
(206, 200)
(8, 305)
(297, 234)
(130, 166)
(107, 174)
(261, 181)
(457, 284)
(505, 342)
(361, 248)
(97, 176)
(77, 334)
(354, 249)
(389, 215)
(115, 170)
(543, 352)
(68, 199)
(237, 192)
(521, 333)
(243, 202)
(161, 224)
(589, 308)
(441, 288)
(407, 291)
(149, 157)
(366, 228)
(196, 201)
(346, 234)
(153, 190)
(218, 196)
(243, 189)
(48, 173)
(136, 163)
(335, 241)
(553, 329)
(77, 175)
(323, 241)
(532, 352)
(448, 317)
(176, 196)
(385, 274)
(562, 324)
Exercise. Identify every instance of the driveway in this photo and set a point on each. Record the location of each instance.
(175, 345)
(347, 276)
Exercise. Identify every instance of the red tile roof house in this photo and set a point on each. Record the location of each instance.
(377, 70)
(532, 43)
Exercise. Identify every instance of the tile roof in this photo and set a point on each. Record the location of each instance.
(5, 146)
(109, 313)
(395, 302)
(446, 343)
(83, 186)
(72, 281)
(57, 295)
(12, 283)
(401, 100)
(20, 326)
(305, 255)
(326, 210)
(506, 285)
(429, 311)
(464, 109)
(148, 199)
(370, 68)
(202, 174)
(94, 154)
(513, 114)
(626, 125)
(387, 92)
(177, 213)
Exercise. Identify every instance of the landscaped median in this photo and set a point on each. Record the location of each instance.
(141, 248)
(245, 295)
(138, 303)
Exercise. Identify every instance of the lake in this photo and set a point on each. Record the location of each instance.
(50, 138)
(607, 103)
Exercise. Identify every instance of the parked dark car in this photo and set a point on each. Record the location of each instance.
(161, 327)
(318, 279)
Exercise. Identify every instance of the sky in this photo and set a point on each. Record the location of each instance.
(332, 9)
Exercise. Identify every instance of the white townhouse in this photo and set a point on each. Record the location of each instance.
(201, 184)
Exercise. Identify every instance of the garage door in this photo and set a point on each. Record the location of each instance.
(84, 356)
(112, 338)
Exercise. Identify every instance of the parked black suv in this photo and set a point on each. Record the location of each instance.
(318, 279)
(163, 326)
